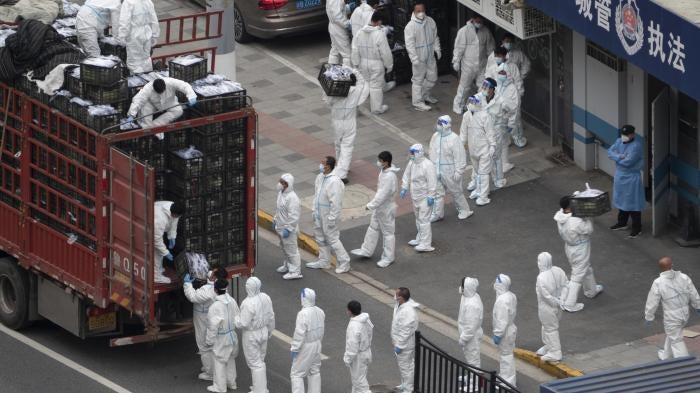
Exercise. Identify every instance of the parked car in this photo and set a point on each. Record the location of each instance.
(274, 18)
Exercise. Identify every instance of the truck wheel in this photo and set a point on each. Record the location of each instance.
(14, 295)
(239, 32)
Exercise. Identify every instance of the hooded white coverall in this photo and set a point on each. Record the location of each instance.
(550, 284)
(576, 233)
(344, 123)
(450, 159)
(371, 55)
(471, 314)
(403, 328)
(306, 342)
(420, 180)
(287, 217)
(504, 310)
(92, 20)
(422, 44)
(148, 101)
(201, 299)
(507, 116)
(139, 30)
(257, 322)
(221, 337)
(471, 50)
(163, 222)
(383, 220)
(514, 122)
(479, 133)
(338, 28)
(517, 56)
(358, 351)
(361, 16)
(675, 291)
(328, 205)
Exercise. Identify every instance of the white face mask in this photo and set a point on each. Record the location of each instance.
(507, 45)
(499, 60)
(471, 108)
(420, 15)
(477, 25)
(379, 164)
(280, 187)
(625, 138)
(321, 168)
(501, 78)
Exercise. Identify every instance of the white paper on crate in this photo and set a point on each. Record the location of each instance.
(80, 101)
(65, 22)
(102, 110)
(54, 79)
(70, 8)
(223, 87)
(187, 60)
(338, 72)
(189, 152)
(103, 61)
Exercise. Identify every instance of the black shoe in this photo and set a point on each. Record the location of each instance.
(634, 234)
(618, 227)
(345, 181)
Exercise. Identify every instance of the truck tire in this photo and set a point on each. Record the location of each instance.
(14, 295)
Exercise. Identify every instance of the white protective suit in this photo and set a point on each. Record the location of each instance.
(306, 342)
(403, 329)
(504, 310)
(201, 299)
(450, 159)
(420, 180)
(422, 45)
(287, 217)
(328, 205)
(576, 233)
(139, 30)
(257, 322)
(675, 291)
(344, 122)
(148, 101)
(479, 133)
(517, 56)
(92, 20)
(339, 30)
(221, 337)
(163, 222)
(383, 220)
(358, 351)
(550, 284)
(371, 55)
(506, 118)
(471, 50)
(361, 16)
(471, 314)
(515, 121)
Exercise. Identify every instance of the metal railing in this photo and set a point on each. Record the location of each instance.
(438, 372)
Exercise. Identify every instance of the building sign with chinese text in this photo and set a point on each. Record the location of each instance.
(650, 36)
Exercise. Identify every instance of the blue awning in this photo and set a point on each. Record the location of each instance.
(654, 38)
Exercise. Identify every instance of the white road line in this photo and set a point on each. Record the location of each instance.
(276, 333)
(64, 360)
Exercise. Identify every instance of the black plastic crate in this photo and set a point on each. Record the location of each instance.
(61, 102)
(106, 95)
(235, 237)
(590, 206)
(193, 223)
(99, 75)
(192, 167)
(191, 72)
(72, 81)
(225, 257)
(235, 139)
(235, 218)
(214, 162)
(215, 240)
(179, 139)
(185, 188)
(235, 180)
(235, 160)
(134, 84)
(108, 48)
(193, 206)
(214, 182)
(160, 184)
(194, 243)
(215, 202)
(333, 88)
(102, 122)
(208, 144)
(224, 127)
(215, 221)
(228, 102)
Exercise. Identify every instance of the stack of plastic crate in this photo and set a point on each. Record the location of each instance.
(102, 82)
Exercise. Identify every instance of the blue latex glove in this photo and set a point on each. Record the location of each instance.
(129, 119)
(403, 193)
(192, 101)
(397, 350)
(171, 244)
(496, 340)
(294, 355)
(285, 233)
(188, 278)
(510, 130)
(431, 201)
(169, 257)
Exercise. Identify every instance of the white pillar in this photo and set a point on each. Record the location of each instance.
(226, 46)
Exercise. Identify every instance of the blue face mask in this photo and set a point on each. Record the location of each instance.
(499, 60)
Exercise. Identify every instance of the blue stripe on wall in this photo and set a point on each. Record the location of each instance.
(583, 139)
(661, 172)
(686, 195)
(603, 130)
(685, 172)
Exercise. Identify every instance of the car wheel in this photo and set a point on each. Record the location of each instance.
(14, 295)
(240, 34)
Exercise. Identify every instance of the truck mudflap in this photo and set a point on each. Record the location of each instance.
(156, 333)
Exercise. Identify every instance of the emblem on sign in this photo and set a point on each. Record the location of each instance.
(629, 26)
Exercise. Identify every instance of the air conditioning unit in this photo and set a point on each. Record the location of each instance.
(514, 16)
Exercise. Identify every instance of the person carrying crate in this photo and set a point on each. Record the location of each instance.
(156, 104)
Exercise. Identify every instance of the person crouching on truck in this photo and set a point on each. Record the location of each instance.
(166, 215)
(156, 104)
(199, 290)
(222, 338)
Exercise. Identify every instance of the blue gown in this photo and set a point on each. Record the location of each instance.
(628, 189)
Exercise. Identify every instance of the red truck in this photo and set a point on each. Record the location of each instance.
(76, 221)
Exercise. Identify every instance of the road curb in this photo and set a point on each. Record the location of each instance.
(304, 241)
(559, 370)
